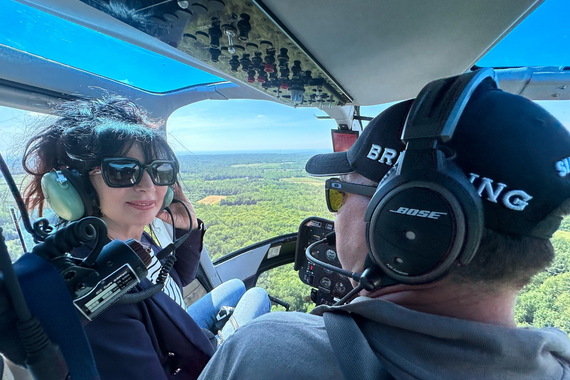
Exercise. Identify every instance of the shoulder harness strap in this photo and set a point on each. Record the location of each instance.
(355, 356)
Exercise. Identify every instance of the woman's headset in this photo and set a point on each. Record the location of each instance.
(426, 215)
(69, 198)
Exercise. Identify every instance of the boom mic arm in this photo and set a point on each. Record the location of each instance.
(329, 239)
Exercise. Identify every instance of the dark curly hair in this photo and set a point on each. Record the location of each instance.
(86, 132)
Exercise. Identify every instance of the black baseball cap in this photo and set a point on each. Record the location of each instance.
(515, 153)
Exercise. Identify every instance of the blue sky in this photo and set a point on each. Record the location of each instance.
(249, 125)
(542, 39)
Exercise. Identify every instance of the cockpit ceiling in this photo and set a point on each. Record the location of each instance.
(328, 52)
(385, 50)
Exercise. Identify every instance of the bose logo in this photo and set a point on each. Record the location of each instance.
(419, 213)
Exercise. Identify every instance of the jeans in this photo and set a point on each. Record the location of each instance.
(255, 302)
(248, 305)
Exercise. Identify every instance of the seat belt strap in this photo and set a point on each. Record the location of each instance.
(355, 356)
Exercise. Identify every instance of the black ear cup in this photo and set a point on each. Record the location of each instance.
(65, 194)
(426, 216)
(168, 197)
(418, 226)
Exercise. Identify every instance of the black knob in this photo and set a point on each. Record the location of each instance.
(215, 33)
(244, 27)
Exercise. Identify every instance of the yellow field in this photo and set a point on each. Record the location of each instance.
(212, 199)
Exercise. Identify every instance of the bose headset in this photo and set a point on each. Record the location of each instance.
(425, 215)
(69, 198)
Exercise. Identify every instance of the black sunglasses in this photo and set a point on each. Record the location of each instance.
(127, 172)
(334, 189)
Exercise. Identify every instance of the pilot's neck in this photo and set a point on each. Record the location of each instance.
(453, 300)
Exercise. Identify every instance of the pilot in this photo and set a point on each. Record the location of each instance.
(460, 223)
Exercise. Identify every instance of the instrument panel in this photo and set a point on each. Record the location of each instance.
(240, 38)
(328, 286)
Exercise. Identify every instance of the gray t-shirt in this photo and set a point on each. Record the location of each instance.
(412, 345)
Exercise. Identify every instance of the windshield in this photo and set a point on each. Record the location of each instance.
(72, 45)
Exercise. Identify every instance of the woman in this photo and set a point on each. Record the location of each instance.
(124, 172)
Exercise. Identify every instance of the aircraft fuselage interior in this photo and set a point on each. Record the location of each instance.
(196, 64)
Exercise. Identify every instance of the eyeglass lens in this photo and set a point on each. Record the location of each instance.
(334, 199)
(129, 173)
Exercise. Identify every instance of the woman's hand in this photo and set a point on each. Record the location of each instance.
(179, 212)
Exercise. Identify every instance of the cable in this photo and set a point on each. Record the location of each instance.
(41, 229)
(18, 229)
(72, 236)
(171, 248)
(349, 296)
(11, 282)
(329, 239)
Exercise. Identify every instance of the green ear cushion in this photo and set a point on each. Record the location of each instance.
(61, 196)
(168, 197)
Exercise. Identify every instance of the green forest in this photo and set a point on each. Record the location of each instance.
(248, 198)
